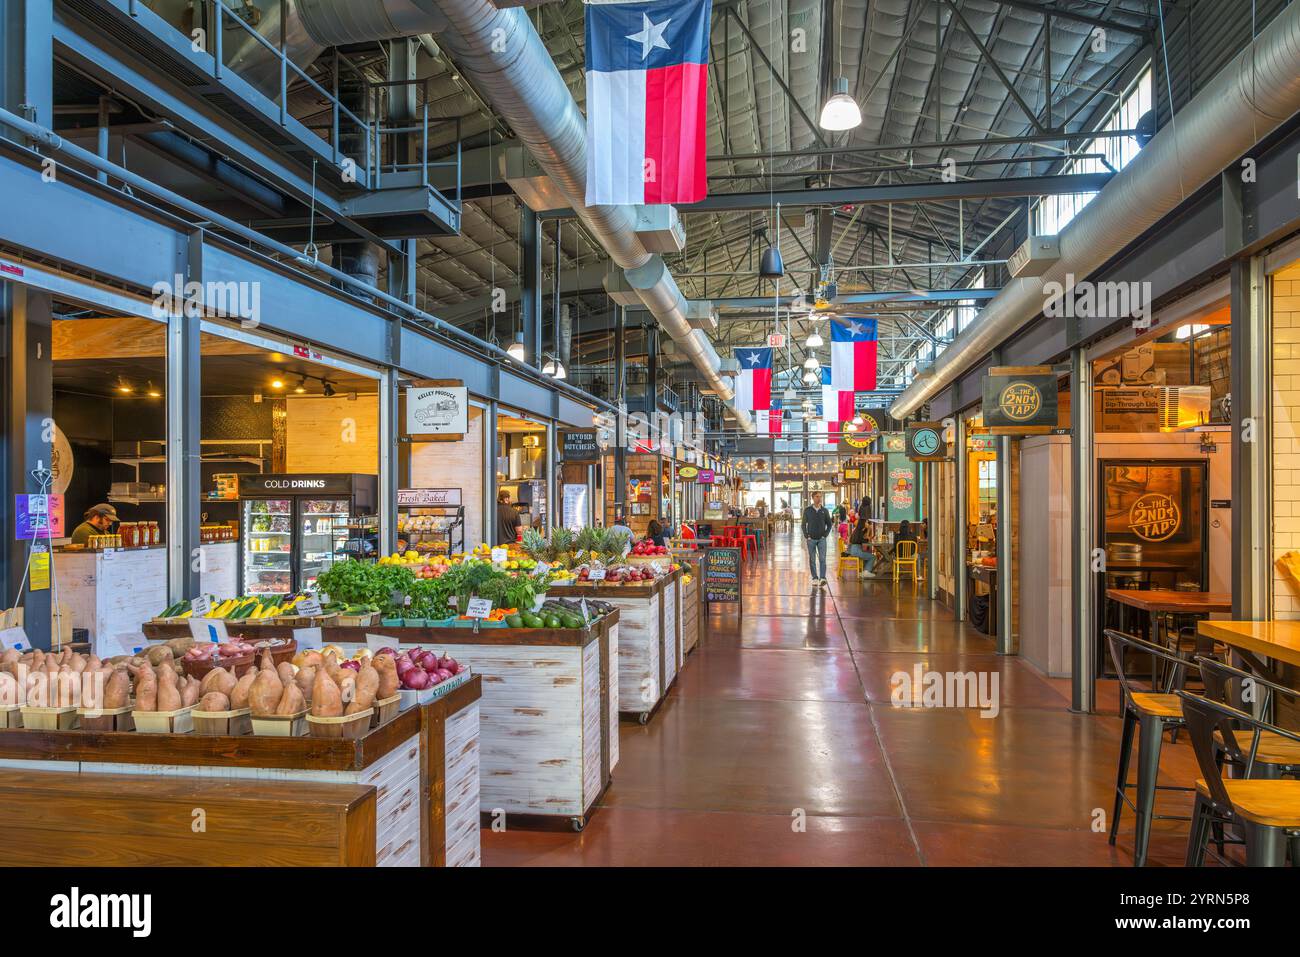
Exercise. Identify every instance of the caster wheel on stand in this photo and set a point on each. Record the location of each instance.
(644, 717)
(577, 823)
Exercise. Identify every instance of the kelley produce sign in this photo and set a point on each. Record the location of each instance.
(437, 410)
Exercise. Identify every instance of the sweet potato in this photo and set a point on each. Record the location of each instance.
(117, 689)
(218, 679)
(169, 694)
(239, 694)
(8, 690)
(68, 687)
(265, 693)
(292, 701)
(146, 687)
(367, 687)
(326, 699)
(304, 679)
(389, 683)
(190, 691)
(11, 655)
(267, 663)
(214, 701)
(157, 654)
(286, 672)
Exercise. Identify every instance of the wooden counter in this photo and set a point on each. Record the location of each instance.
(650, 649)
(1279, 640)
(423, 766)
(1167, 601)
(109, 593)
(689, 593)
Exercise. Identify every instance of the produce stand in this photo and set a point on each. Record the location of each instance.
(649, 637)
(689, 594)
(545, 750)
(421, 768)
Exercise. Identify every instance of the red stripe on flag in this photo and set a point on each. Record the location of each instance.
(864, 366)
(846, 410)
(762, 389)
(675, 127)
(774, 422)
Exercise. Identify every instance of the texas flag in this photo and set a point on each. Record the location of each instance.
(754, 384)
(853, 356)
(647, 87)
(837, 404)
(774, 418)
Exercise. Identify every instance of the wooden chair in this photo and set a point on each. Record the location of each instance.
(1267, 811)
(905, 559)
(1151, 714)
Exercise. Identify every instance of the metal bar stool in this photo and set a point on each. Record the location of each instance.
(1151, 714)
(1274, 756)
(1267, 811)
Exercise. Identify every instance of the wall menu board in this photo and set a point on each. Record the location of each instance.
(1019, 400)
(902, 488)
(579, 446)
(722, 575)
(925, 442)
(706, 477)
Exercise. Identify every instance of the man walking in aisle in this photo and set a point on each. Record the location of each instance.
(816, 526)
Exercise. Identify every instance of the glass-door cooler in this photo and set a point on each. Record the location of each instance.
(296, 526)
(268, 546)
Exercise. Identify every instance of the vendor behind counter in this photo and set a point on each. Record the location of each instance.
(98, 520)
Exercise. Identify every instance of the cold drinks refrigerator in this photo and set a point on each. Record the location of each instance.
(293, 527)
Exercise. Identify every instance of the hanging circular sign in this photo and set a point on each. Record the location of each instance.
(1154, 517)
(1020, 401)
(925, 441)
(688, 472)
(61, 463)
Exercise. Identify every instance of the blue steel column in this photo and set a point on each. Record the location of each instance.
(28, 433)
(530, 298)
(184, 481)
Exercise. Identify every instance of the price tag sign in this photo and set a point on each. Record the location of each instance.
(308, 607)
(309, 638)
(14, 639)
(210, 629)
(479, 608)
(586, 614)
(596, 575)
(377, 642)
(201, 606)
(127, 644)
(500, 555)
(540, 569)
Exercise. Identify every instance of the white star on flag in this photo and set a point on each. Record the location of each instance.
(855, 328)
(651, 35)
(753, 358)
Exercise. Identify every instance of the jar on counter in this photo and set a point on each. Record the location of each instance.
(128, 532)
(154, 536)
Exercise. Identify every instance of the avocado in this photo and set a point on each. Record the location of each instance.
(532, 621)
(515, 621)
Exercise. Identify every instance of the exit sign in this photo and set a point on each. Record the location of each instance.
(776, 340)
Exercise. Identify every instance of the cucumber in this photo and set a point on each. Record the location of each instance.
(571, 621)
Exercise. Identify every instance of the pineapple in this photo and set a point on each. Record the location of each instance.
(610, 545)
(534, 544)
(561, 550)
(586, 542)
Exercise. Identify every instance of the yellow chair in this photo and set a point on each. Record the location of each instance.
(847, 561)
(905, 558)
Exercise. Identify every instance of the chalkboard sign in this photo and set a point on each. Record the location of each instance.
(722, 575)
(578, 446)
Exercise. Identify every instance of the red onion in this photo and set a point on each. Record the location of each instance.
(417, 679)
(442, 674)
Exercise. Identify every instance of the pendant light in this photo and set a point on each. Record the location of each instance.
(811, 363)
(841, 110)
(770, 265)
(516, 349)
(810, 377)
(814, 340)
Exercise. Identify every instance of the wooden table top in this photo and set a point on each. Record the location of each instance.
(1167, 600)
(1273, 639)
(1142, 566)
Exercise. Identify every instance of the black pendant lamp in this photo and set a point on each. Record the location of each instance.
(770, 265)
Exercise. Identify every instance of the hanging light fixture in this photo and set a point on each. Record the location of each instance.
(841, 110)
(516, 349)
(811, 377)
(789, 397)
(811, 363)
(858, 420)
(554, 368)
(770, 266)
(814, 340)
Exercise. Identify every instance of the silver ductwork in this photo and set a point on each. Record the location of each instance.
(505, 59)
(1246, 100)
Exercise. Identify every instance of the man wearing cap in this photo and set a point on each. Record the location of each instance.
(99, 519)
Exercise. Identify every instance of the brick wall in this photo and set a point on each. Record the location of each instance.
(1286, 434)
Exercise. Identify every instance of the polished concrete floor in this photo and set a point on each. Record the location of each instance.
(779, 744)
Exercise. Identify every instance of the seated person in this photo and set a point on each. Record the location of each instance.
(859, 546)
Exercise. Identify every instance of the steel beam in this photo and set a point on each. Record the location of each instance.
(959, 546)
(929, 192)
(530, 299)
(1252, 441)
(1005, 636)
(185, 556)
(862, 298)
(1053, 12)
(1083, 637)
